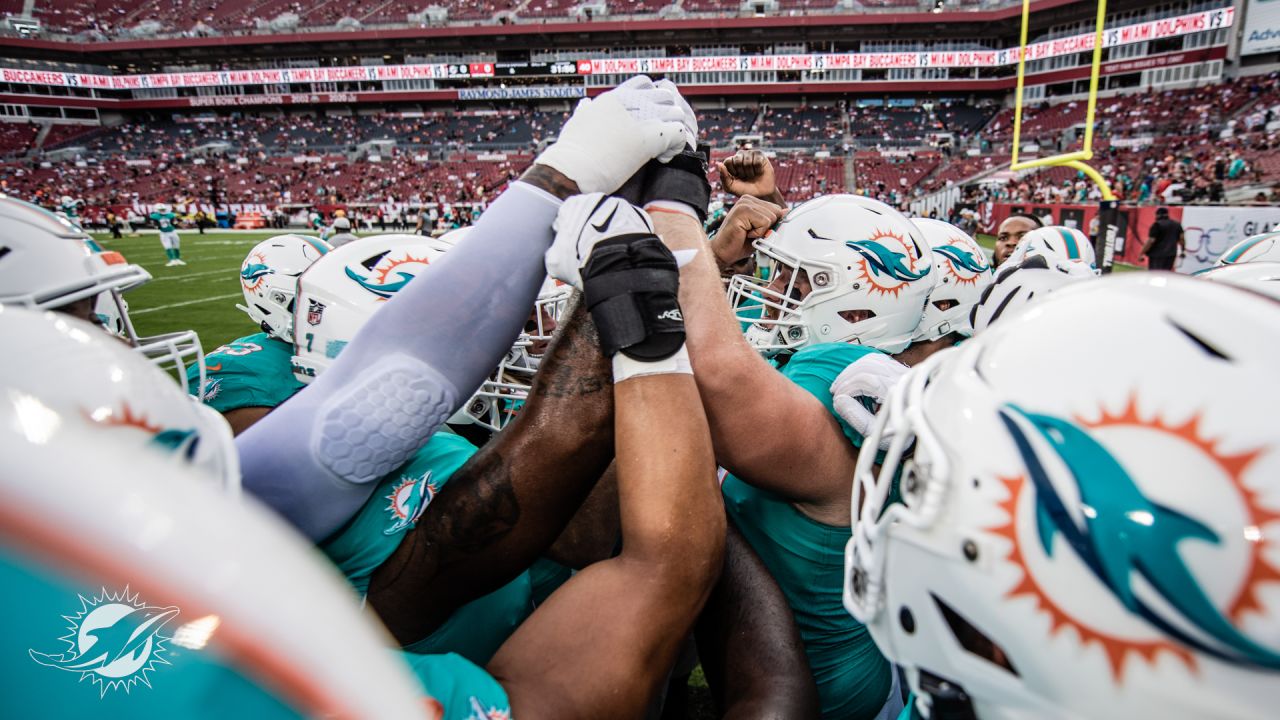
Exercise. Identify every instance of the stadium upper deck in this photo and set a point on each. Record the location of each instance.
(95, 20)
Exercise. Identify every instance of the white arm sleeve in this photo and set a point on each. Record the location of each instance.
(317, 458)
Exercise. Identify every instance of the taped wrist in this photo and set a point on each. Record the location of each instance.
(633, 189)
(683, 179)
(631, 284)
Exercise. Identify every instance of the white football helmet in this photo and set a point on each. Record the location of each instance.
(839, 268)
(963, 272)
(163, 208)
(1019, 284)
(205, 589)
(69, 371)
(1096, 545)
(1056, 241)
(1260, 277)
(48, 262)
(269, 279)
(1264, 246)
(502, 395)
(340, 292)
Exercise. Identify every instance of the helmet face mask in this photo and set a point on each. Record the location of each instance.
(52, 263)
(1097, 523)
(503, 393)
(841, 268)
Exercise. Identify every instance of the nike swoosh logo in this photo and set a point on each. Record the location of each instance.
(605, 225)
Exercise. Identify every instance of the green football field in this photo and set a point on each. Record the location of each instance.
(201, 296)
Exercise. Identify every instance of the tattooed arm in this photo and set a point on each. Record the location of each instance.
(507, 505)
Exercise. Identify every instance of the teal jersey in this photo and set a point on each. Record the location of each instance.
(477, 629)
(165, 221)
(547, 576)
(814, 368)
(253, 371)
(806, 557)
(463, 690)
(71, 209)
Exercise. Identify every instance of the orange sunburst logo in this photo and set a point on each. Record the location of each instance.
(391, 274)
(1107, 624)
(887, 262)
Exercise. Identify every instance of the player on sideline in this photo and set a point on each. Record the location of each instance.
(164, 219)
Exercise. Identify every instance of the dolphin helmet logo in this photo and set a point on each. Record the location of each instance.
(1129, 543)
(962, 264)
(888, 270)
(115, 641)
(390, 274)
(254, 271)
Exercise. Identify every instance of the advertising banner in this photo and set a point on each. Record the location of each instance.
(1261, 27)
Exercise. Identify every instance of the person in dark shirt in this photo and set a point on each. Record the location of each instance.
(1165, 242)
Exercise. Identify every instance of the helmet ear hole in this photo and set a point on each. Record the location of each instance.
(856, 316)
(972, 639)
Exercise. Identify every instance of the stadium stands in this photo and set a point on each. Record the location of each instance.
(16, 137)
(1179, 145)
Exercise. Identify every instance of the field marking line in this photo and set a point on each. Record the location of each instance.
(192, 276)
(157, 308)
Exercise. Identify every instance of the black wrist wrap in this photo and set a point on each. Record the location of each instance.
(631, 285)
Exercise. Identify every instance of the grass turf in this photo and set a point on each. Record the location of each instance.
(200, 296)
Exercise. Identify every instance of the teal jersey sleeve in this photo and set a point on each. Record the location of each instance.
(463, 690)
(253, 371)
(815, 367)
(475, 630)
(369, 538)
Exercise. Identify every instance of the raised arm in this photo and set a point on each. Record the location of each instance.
(615, 628)
(316, 458)
(807, 459)
(513, 498)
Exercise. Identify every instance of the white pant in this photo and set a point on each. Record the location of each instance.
(169, 240)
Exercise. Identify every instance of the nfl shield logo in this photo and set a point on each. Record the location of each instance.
(315, 312)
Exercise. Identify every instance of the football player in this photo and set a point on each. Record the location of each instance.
(120, 539)
(249, 376)
(165, 220)
(1010, 233)
(1092, 547)
(845, 276)
(48, 262)
(963, 275)
(1057, 241)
